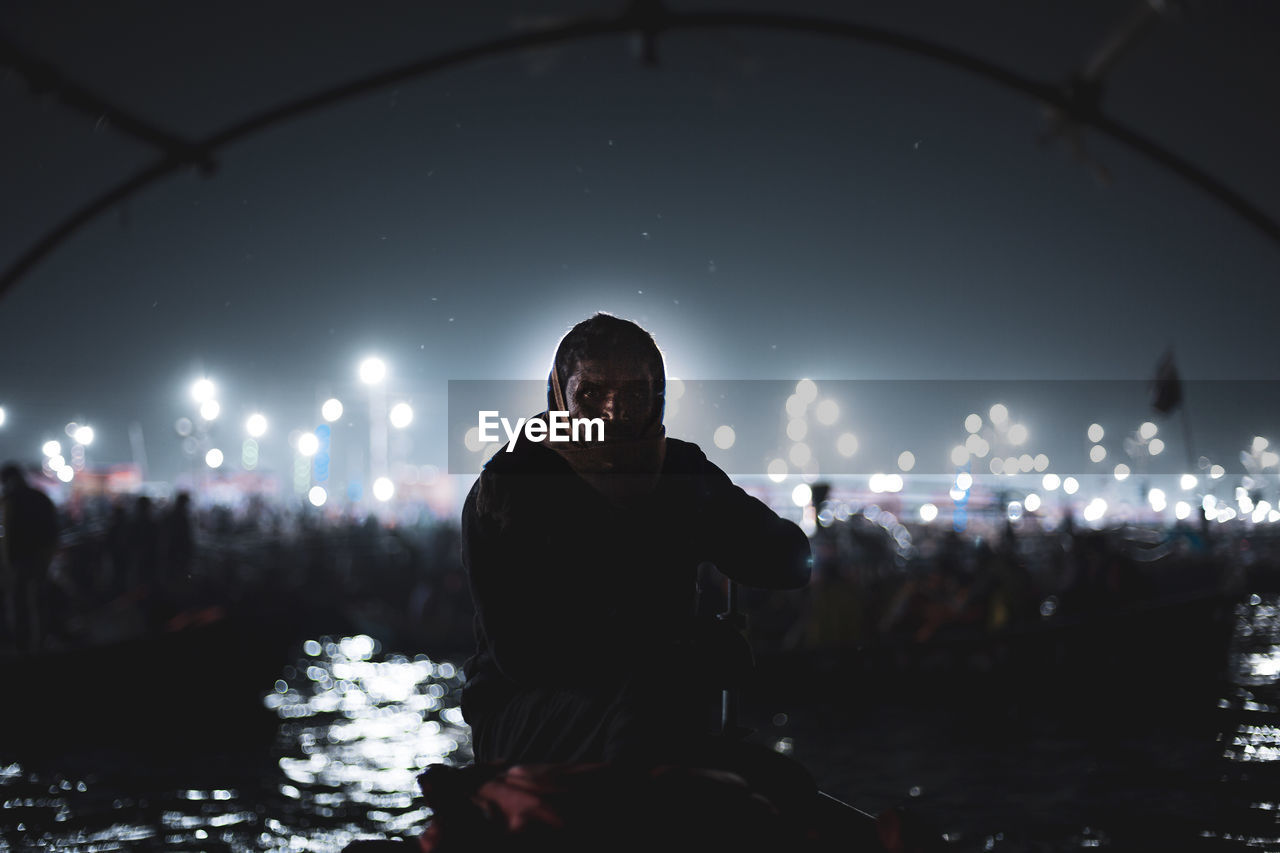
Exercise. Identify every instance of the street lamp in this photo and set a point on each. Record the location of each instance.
(372, 371)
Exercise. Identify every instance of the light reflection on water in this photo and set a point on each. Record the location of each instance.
(1251, 734)
(355, 731)
(356, 728)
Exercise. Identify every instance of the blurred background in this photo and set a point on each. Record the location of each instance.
(979, 294)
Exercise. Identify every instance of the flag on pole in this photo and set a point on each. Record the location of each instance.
(1166, 388)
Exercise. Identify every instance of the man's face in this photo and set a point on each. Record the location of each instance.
(618, 389)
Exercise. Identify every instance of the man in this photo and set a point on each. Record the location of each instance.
(30, 539)
(583, 558)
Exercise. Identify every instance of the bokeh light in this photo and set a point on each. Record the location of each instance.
(308, 444)
(801, 494)
(256, 425)
(317, 496)
(906, 460)
(210, 409)
(213, 458)
(383, 489)
(928, 512)
(83, 435)
(1095, 433)
(331, 409)
(724, 437)
(401, 415)
(372, 370)
(847, 444)
(827, 412)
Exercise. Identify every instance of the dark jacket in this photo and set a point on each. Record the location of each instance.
(573, 591)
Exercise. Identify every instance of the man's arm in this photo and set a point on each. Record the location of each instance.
(747, 540)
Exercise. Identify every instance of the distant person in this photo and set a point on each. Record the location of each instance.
(30, 540)
(179, 539)
(582, 560)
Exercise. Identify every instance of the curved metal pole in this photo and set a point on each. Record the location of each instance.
(649, 18)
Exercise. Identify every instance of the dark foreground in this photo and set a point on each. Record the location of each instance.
(1162, 749)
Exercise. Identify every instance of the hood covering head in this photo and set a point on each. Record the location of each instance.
(624, 470)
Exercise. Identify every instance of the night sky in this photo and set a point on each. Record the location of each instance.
(770, 205)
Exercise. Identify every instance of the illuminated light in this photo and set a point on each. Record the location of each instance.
(1216, 472)
(1273, 516)
(1188, 482)
(674, 390)
(51, 448)
(973, 422)
(847, 444)
(1011, 466)
(401, 415)
(1209, 503)
(202, 390)
(801, 494)
(999, 414)
(1156, 498)
(84, 435)
(1156, 447)
(182, 426)
(800, 454)
(2, 415)
(996, 465)
(796, 406)
(331, 409)
(213, 458)
(906, 460)
(1259, 444)
(1147, 430)
(1031, 502)
(308, 444)
(1041, 463)
(1070, 485)
(1026, 463)
(893, 482)
(65, 474)
(956, 494)
(797, 429)
(56, 462)
(828, 412)
(724, 437)
(1014, 510)
(876, 483)
(1097, 453)
(964, 481)
(1259, 514)
(1017, 433)
(383, 489)
(1270, 459)
(1095, 433)
(777, 470)
(807, 391)
(1245, 503)
(1051, 482)
(959, 455)
(1121, 472)
(317, 496)
(1095, 510)
(256, 425)
(372, 371)
(1264, 507)
(312, 648)
(209, 410)
(928, 512)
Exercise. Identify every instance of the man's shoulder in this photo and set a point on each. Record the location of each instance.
(683, 457)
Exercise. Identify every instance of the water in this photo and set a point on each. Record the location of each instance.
(987, 767)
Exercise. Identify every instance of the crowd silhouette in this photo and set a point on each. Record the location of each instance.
(129, 566)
